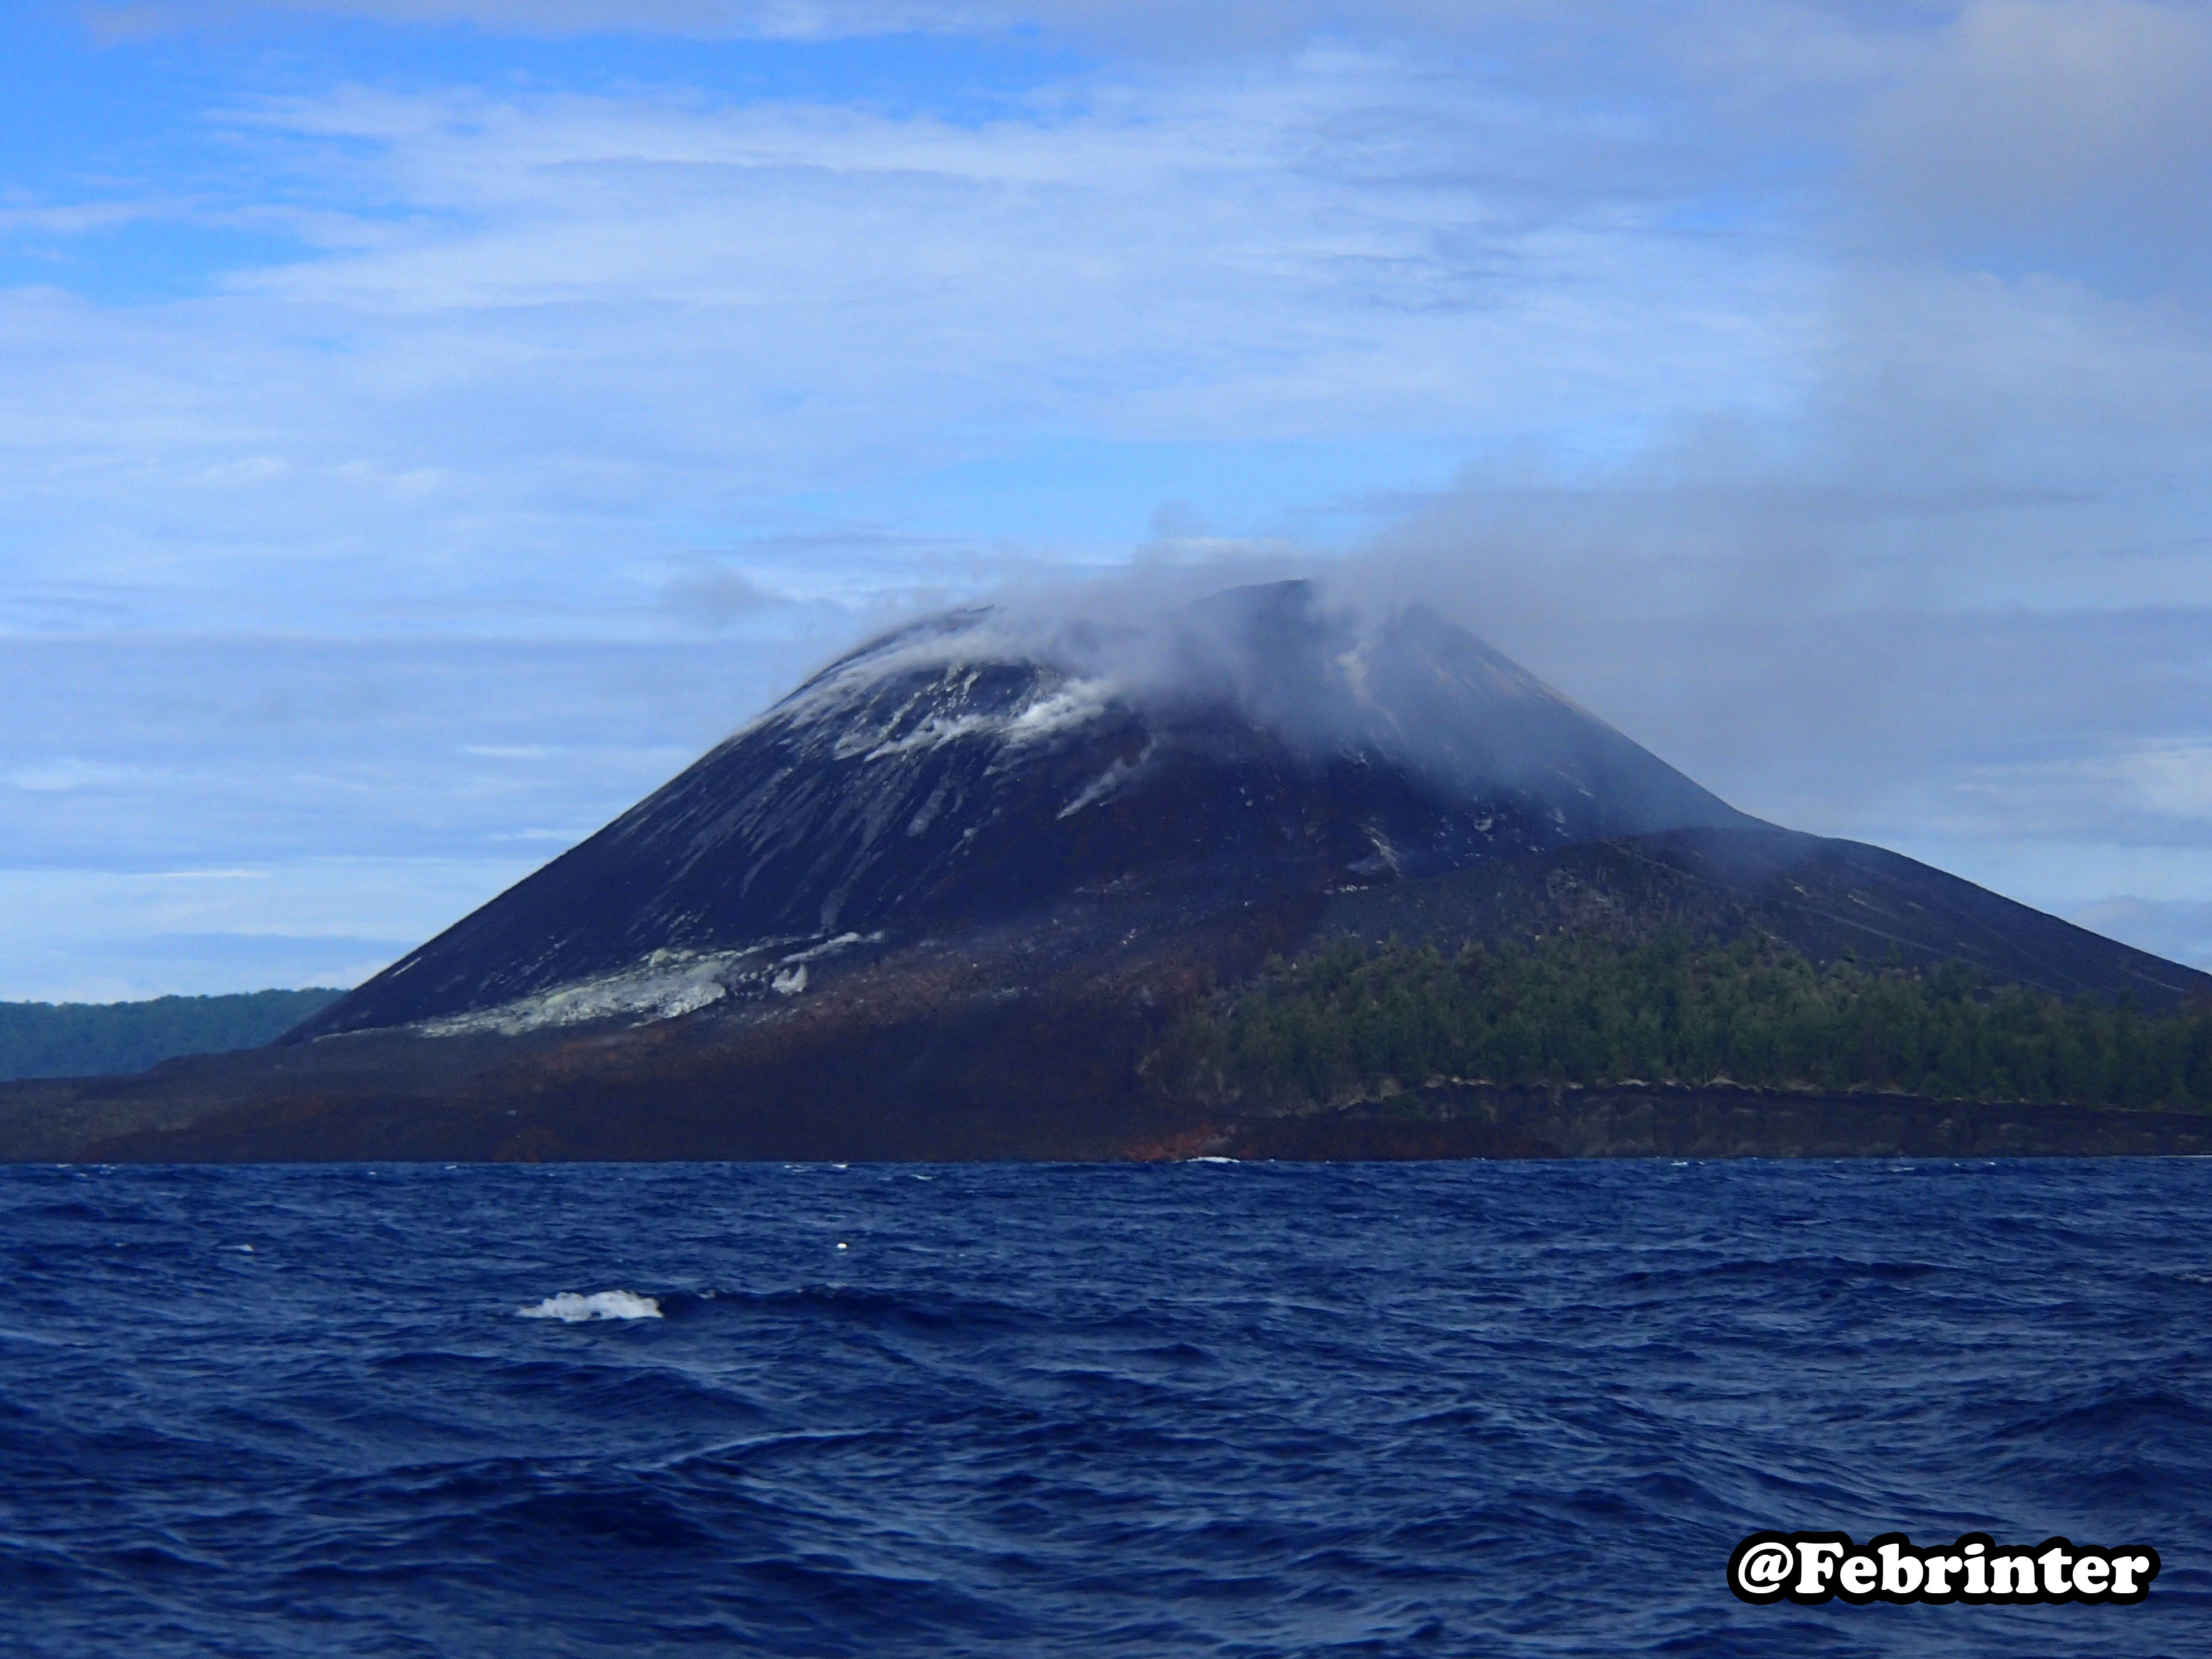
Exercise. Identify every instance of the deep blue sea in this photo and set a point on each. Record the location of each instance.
(1196, 1409)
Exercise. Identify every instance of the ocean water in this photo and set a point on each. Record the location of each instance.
(1196, 1409)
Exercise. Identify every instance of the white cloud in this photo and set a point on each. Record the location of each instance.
(581, 335)
(1158, 25)
(2142, 794)
(2073, 134)
(1830, 379)
(100, 935)
(67, 772)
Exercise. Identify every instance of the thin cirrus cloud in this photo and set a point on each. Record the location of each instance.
(1814, 390)
(1234, 24)
(577, 321)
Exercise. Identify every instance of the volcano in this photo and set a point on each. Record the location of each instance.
(939, 901)
(961, 772)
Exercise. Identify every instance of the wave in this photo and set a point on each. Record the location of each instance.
(575, 1310)
(1300, 1411)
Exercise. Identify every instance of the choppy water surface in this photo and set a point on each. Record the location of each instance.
(1198, 1409)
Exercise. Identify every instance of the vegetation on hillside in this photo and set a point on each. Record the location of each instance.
(1348, 1021)
(97, 1039)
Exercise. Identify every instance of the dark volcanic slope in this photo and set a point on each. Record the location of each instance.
(1823, 897)
(960, 772)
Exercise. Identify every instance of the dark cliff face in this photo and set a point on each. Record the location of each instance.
(968, 769)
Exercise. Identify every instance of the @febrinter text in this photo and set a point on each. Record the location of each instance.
(1817, 1566)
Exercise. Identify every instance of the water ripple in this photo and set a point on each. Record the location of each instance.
(1245, 1410)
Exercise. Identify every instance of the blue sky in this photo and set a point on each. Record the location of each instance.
(424, 424)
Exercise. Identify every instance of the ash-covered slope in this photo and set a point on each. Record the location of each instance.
(969, 770)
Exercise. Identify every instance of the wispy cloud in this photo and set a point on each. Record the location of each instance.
(578, 331)
(1816, 390)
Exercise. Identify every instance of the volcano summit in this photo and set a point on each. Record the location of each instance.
(939, 901)
(956, 775)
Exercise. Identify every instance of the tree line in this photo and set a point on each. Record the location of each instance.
(102, 1039)
(1347, 1018)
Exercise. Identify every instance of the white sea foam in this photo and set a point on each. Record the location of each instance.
(575, 1310)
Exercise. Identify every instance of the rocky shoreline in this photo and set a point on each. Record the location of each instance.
(79, 1122)
(1453, 1121)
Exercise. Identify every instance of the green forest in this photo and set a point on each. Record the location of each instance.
(92, 1039)
(1349, 1019)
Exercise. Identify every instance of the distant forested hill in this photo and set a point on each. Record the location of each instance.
(95, 1039)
